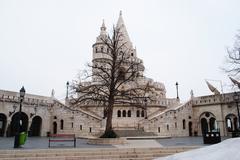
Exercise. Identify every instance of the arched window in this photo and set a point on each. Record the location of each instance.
(80, 127)
(104, 113)
(101, 49)
(61, 124)
(142, 113)
(138, 113)
(96, 50)
(119, 113)
(212, 124)
(167, 127)
(184, 123)
(124, 113)
(129, 113)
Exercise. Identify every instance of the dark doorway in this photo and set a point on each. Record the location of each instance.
(204, 125)
(35, 129)
(14, 123)
(3, 122)
(54, 127)
(190, 128)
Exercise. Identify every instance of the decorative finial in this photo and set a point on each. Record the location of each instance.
(120, 13)
(103, 28)
(67, 84)
(53, 93)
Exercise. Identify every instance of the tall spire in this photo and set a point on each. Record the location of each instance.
(122, 28)
(103, 28)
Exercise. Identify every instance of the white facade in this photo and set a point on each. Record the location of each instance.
(165, 117)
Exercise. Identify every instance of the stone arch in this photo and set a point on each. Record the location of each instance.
(23, 124)
(36, 126)
(3, 123)
(208, 122)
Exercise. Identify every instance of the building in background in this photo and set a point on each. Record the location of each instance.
(164, 117)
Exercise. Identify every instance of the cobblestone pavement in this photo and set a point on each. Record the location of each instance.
(42, 143)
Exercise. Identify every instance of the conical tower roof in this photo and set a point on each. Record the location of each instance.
(121, 26)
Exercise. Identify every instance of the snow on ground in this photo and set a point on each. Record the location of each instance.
(226, 150)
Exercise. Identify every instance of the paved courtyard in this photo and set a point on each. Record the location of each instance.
(42, 143)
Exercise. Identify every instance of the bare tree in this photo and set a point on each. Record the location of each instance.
(112, 81)
(233, 59)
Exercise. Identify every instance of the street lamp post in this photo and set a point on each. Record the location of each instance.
(236, 99)
(17, 134)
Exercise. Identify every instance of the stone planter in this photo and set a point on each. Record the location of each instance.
(107, 141)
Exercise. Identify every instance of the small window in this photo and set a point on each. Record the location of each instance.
(131, 54)
(142, 113)
(80, 127)
(175, 124)
(96, 50)
(104, 113)
(138, 113)
(119, 113)
(90, 129)
(61, 124)
(159, 130)
(72, 124)
(102, 49)
(55, 117)
(184, 124)
(129, 113)
(167, 127)
(124, 113)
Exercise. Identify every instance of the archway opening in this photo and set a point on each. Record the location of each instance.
(204, 125)
(3, 123)
(54, 127)
(35, 129)
(190, 128)
(231, 122)
(23, 123)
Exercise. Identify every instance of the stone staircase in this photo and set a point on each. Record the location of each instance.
(91, 154)
(133, 133)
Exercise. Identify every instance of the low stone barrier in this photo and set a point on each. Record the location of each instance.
(107, 140)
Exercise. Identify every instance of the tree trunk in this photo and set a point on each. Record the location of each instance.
(109, 118)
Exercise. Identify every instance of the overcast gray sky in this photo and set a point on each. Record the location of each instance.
(44, 43)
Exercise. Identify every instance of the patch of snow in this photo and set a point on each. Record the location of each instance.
(228, 149)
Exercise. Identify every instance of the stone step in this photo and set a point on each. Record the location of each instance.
(93, 157)
(74, 154)
(82, 154)
(95, 150)
(133, 133)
